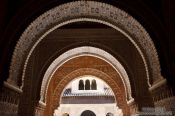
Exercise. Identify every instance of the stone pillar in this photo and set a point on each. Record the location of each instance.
(163, 98)
(133, 107)
(9, 100)
(39, 110)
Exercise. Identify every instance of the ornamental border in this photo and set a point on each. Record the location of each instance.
(85, 51)
(82, 11)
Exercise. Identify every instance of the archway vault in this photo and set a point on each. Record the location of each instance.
(117, 89)
(107, 73)
(85, 51)
(83, 11)
(88, 113)
(91, 11)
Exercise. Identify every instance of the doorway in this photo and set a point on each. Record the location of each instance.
(88, 113)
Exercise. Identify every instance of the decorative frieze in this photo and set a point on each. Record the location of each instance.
(83, 11)
(120, 95)
(86, 51)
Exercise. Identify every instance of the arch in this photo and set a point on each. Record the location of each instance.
(118, 89)
(81, 85)
(87, 85)
(93, 85)
(84, 76)
(85, 71)
(118, 19)
(56, 18)
(88, 113)
(85, 51)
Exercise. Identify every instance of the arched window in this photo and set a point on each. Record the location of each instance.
(109, 114)
(87, 85)
(88, 113)
(65, 114)
(81, 85)
(94, 85)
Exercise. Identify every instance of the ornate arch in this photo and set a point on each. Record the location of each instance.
(85, 51)
(84, 113)
(83, 11)
(117, 88)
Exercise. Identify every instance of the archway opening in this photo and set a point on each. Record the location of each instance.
(147, 67)
(81, 85)
(94, 17)
(94, 85)
(87, 85)
(100, 101)
(88, 113)
(111, 77)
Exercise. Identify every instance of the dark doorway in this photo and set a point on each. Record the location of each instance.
(88, 113)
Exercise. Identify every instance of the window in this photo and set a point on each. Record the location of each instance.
(87, 85)
(88, 113)
(94, 85)
(81, 85)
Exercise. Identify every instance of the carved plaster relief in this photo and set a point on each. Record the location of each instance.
(83, 11)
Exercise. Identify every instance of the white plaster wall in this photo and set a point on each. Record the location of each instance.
(98, 109)
(100, 85)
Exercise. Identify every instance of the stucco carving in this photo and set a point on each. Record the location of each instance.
(82, 72)
(85, 51)
(82, 11)
(117, 89)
